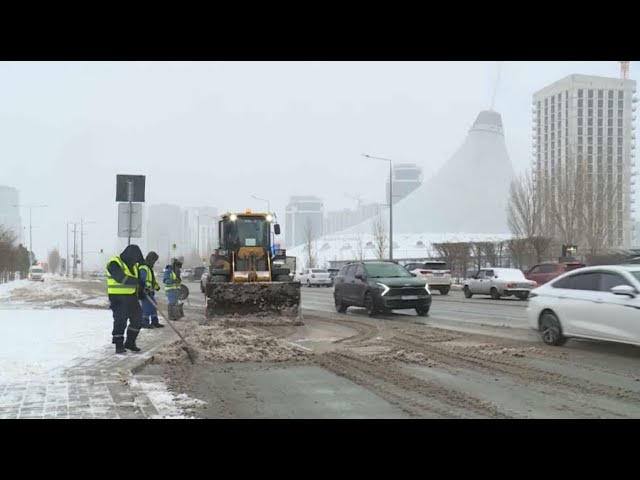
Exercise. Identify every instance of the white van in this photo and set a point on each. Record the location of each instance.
(36, 274)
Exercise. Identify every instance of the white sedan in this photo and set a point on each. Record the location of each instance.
(315, 277)
(498, 282)
(599, 303)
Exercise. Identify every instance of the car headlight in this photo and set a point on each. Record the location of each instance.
(426, 287)
(385, 289)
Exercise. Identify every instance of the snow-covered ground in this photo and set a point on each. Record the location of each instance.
(44, 341)
(48, 327)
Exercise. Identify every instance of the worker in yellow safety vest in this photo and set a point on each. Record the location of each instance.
(123, 290)
(172, 283)
(150, 286)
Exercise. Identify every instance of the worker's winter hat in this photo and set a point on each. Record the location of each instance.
(152, 257)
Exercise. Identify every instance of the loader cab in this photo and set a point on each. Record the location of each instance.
(237, 230)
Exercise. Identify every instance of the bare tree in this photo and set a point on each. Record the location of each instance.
(455, 254)
(517, 248)
(53, 259)
(380, 238)
(311, 258)
(598, 212)
(540, 245)
(490, 252)
(524, 211)
(564, 200)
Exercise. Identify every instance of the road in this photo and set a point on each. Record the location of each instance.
(471, 358)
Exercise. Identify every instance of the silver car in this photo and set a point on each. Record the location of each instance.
(499, 282)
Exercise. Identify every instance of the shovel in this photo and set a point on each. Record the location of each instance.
(187, 348)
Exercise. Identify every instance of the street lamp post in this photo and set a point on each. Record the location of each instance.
(30, 207)
(390, 200)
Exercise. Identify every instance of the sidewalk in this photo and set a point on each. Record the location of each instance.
(93, 387)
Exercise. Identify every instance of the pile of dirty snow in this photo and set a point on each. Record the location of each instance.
(220, 344)
(55, 292)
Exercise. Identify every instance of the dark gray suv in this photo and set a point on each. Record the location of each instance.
(380, 286)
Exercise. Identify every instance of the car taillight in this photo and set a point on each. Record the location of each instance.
(427, 271)
(423, 272)
(511, 285)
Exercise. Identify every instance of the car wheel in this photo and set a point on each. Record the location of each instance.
(495, 294)
(445, 291)
(340, 306)
(422, 311)
(467, 292)
(550, 329)
(369, 304)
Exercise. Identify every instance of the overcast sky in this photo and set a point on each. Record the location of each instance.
(214, 133)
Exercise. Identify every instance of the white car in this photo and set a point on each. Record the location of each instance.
(36, 274)
(599, 303)
(315, 277)
(498, 282)
(437, 274)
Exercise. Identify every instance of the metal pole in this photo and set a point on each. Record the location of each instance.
(66, 261)
(198, 237)
(30, 239)
(390, 210)
(75, 251)
(81, 247)
(130, 187)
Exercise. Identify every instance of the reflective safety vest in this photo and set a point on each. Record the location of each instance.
(175, 285)
(150, 276)
(116, 288)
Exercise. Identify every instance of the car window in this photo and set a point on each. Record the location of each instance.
(386, 270)
(479, 274)
(412, 266)
(582, 281)
(436, 266)
(488, 273)
(318, 270)
(609, 280)
(359, 271)
(548, 268)
(351, 271)
(535, 269)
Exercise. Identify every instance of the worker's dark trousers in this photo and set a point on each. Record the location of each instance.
(125, 307)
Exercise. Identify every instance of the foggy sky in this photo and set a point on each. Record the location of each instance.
(214, 133)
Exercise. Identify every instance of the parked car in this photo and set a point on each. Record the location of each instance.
(36, 274)
(547, 271)
(187, 274)
(315, 277)
(498, 282)
(437, 274)
(380, 286)
(204, 278)
(599, 303)
(333, 272)
(197, 273)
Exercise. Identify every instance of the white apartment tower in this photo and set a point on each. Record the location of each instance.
(589, 120)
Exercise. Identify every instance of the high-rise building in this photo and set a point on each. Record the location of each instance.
(303, 218)
(200, 230)
(339, 220)
(586, 124)
(406, 178)
(164, 229)
(9, 212)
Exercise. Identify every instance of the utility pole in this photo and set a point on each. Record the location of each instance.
(75, 251)
(66, 260)
(82, 247)
(30, 207)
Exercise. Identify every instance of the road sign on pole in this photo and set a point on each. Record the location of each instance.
(130, 220)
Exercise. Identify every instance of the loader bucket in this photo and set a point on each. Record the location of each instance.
(262, 301)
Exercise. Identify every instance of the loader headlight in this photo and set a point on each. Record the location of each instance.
(269, 218)
(233, 217)
(385, 289)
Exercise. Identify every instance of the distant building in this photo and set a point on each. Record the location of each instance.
(407, 177)
(200, 230)
(165, 227)
(589, 120)
(9, 212)
(339, 220)
(303, 215)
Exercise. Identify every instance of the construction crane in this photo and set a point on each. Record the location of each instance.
(624, 70)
